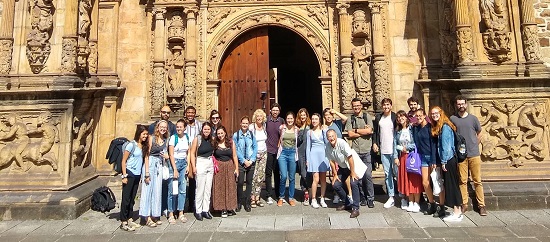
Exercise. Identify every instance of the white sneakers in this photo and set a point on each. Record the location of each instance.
(404, 205)
(413, 207)
(314, 203)
(322, 202)
(389, 203)
(269, 200)
(453, 218)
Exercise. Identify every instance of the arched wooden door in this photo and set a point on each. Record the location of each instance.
(244, 76)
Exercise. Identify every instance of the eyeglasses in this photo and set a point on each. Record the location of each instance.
(215, 118)
(357, 106)
(435, 113)
(165, 112)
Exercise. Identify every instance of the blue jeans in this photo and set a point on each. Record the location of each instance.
(340, 187)
(287, 167)
(179, 200)
(390, 177)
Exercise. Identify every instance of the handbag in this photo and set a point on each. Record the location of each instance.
(216, 165)
(436, 180)
(413, 163)
(165, 171)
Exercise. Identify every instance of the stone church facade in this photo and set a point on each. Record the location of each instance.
(76, 74)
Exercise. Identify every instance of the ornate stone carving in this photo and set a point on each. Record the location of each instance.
(382, 86)
(346, 83)
(216, 15)
(176, 29)
(320, 47)
(447, 24)
(361, 28)
(174, 70)
(199, 85)
(18, 146)
(68, 59)
(6, 48)
(515, 131)
(84, 22)
(530, 38)
(465, 44)
(157, 87)
(190, 83)
(82, 139)
(362, 60)
(319, 13)
(92, 58)
(38, 44)
(496, 38)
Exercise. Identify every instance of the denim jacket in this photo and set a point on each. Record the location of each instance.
(246, 146)
(410, 147)
(446, 144)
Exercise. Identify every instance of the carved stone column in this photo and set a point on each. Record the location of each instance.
(157, 87)
(465, 42)
(69, 42)
(84, 24)
(346, 68)
(6, 36)
(92, 57)
(191, 57)
(382, 86)
(529, 32)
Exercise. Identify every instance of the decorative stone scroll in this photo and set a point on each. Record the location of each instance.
(515, 131)
(69, 53)
(38, 39)
(6, 48)
(216, 15)
(496, 38)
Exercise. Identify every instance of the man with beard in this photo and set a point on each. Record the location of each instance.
(192, 129)
(469, 127)
(164, 115)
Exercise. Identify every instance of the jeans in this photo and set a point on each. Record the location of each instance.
(271, 170)
(248, 173)
(390, 174)
(340, 187)
(473, 164)
(287, 167)
(129, 191)
(179, 200)
(366, 182)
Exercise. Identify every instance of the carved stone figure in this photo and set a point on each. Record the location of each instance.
(530, 116)
(216, 16)
(6, 48)
(362, 59)
(536, 151)
(92, 58)
(492, 119)
(531, 44)
(68, 59)
(175, 70)
(82, 139)
(84, 11)
(176, 29)
(496, 39)
(41, 152)
(320, 14)
(493, 14)
(18, 141)
(508, 108)
(38, 45)
(360, 26)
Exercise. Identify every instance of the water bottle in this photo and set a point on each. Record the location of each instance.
(175, 189)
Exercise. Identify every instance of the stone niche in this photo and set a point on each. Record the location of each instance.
(514, 115)
(52, 145)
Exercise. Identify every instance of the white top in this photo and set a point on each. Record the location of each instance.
(340, 154)
(180, 149)
(386, 135)
(261, 137)
(193, 130)
(405, 137)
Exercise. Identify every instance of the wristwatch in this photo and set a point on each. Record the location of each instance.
(123, 176)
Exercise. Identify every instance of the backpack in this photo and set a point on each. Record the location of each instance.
(460, 147)
(354, 121)
(103, 200)
(116, 151)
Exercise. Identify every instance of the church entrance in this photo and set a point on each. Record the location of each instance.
(266, 65)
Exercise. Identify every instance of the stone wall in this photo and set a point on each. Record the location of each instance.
(542, 14)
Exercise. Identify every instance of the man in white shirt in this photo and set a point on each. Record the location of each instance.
(192, 129)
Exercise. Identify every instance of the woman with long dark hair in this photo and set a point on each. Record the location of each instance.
(317, 163)
(302, 123)
(215, 120)
(200, 158)
(132, 163)
(224, 198)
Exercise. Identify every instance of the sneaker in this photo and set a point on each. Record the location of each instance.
(370, 203)
(126, 227)
(336, 199)
(306, 199)
(224, 214)
(314, 203)
(323, 203)
(363, 202)
(482, 211)
(389, 203)
(409, 207)
(415, 208)
(269, 201)
(404, 204)
(292, 202)
(134, 224)
(280, 202)
(453, 218)
(431, 209)
(440, 212)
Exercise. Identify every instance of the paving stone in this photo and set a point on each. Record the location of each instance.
(342, 221)
(133, 237)
(326, 235)
(315, 221)
(537, 216)
(239, 236)
(446, 232)
(206, 225)
(261, 223)
(413, 233)
(424, 221)
(372, 220)
(199, 236)
(512, 240)
(394, 240)
(147, 229)
(521, 202)
(83, 227)
(466, 240)
(530, 230)
(86, 238)
(399, 219)
(179, 226)
(13, 237)
(51, 227)
(41, 238)
(512, 218)
(544, 239)
(25, 227)
(482, 221)
(488, 232)
(288, 222)
(429, 240)
(6, 225)
(466, 222)
(233, 224)
(172, 236)
(382, 233)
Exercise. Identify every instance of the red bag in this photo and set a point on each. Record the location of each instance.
(216, 166)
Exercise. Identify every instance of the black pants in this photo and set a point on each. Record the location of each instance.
(367, 186)
(244, 173)
(453, 197)
(192, 185)
(129, 191)
(341, 188)
(306, 178)
(272, 170)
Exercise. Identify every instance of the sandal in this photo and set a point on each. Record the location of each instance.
(158, 222)
(151, 224)
(171, 220)
(183, 219)
(260, 203)
(253, 203)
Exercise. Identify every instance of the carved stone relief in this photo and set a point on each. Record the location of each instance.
(319, 13)
(360, 26)
(362, 71)
(68, 58)
(176, 29)
(216, 15)
(157, 88)
(347, 90)
(83, 129)
(6, 48)
(92, 58)
(38, 39)
(514, 130)
(449, 50)
(22, 148)
(84, 22)
(174, 70)
(530, 37)
(497, 37)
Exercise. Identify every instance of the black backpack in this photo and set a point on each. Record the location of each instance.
(460, 147)
(103, 199)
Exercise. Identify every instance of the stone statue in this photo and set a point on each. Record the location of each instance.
(360, 25)
(362, 59)
(174, 69)
(530, 116)
(493, 14)
(17, 134)
(508, 108)
(84, 10)
(40, 152)
(82, 140)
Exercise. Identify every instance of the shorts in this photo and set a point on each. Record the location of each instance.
(425, 160)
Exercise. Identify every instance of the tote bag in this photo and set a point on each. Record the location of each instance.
(413, 164)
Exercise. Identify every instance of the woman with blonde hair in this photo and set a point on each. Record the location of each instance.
(257, 127)
(317, 163)
(303, 121)
(450, 195)
(151, 188)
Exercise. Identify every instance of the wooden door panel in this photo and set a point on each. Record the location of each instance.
(244, 73)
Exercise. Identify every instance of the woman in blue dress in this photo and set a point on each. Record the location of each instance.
(316, 161)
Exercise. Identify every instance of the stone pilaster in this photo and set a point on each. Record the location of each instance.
(106, 131)
(6, 36)
(529, 32)
(157, 87)
(465, 42)
(382, 86)
(70, 38)
(347, 88)
(191, 57)
(92, 58)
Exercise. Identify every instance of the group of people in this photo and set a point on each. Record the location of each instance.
(203, 163)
